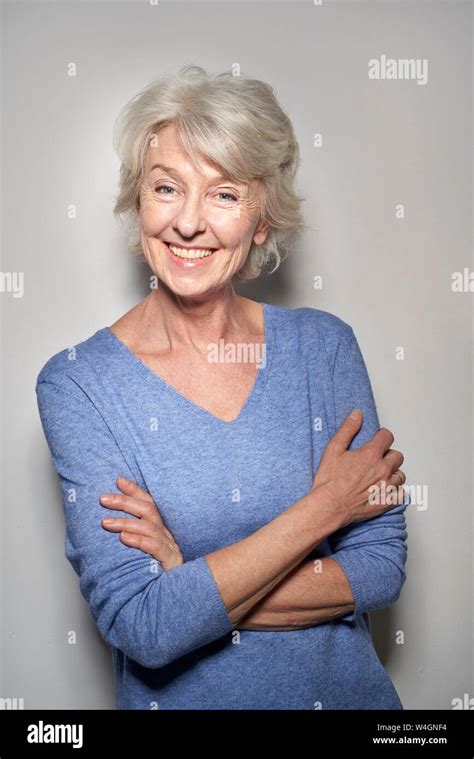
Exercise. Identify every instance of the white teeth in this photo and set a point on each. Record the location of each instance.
(197, 253)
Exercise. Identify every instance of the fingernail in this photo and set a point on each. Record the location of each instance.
(354, 414)
(124, 480)
(106, 498)
(108, 521)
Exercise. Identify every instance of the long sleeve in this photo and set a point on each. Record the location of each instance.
(371, 553)
(152, 616)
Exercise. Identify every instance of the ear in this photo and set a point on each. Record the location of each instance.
(261, 233)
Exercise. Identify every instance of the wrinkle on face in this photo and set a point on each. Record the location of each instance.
(192, 204)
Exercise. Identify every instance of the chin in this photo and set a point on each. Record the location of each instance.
(188, 289)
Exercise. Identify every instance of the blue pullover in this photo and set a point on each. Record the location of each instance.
(105, 413)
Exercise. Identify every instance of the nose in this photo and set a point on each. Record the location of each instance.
(190, 217)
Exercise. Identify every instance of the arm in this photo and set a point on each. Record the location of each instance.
(366, 570)
(330, 597)
(157, 617)
(372, 553)
(317, 591)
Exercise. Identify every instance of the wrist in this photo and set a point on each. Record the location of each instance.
(327, 508)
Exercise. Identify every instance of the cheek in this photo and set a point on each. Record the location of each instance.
(230, 229)
(153, 217)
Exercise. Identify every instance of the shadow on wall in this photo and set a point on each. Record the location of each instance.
(77, 666)
(384, 631)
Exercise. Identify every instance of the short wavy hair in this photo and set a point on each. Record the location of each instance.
(235, 123)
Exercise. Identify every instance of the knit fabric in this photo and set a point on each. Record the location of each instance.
(105, 414)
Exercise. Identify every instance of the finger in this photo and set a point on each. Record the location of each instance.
(393, 493)
(398, 497)
(394, 458)
(131, 488)
(382, 440)
(349, 427)
(397, 478)
(137, 526)
(138, 508)
(151, 546)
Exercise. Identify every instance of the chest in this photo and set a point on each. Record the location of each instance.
(218, 386)
(216, 482)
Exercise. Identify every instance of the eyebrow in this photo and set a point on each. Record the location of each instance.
(175, 172)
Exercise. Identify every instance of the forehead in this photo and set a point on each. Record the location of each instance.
(165, 140)
(166, 149)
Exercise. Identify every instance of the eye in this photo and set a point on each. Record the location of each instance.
(229, 195)
(164, 187)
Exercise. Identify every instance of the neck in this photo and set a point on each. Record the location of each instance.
(197, 321)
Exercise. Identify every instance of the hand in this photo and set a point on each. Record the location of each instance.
(347, 475)
(148, 533)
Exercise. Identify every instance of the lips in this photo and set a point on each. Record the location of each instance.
(189, 257)
(190, 254)
(189, 247)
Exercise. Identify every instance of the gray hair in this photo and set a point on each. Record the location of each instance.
(234, 122)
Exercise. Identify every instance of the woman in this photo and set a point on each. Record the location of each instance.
(247, 544)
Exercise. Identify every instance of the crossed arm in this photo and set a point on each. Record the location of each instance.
(368, 556)
(316, 591)
(365, 572)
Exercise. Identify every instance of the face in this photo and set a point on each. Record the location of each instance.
(208, 220)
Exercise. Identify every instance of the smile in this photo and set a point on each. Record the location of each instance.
(189, 258)
(191, 254)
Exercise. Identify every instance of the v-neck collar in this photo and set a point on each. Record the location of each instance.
(154, 378)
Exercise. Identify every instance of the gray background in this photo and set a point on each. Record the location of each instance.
(384, 143)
